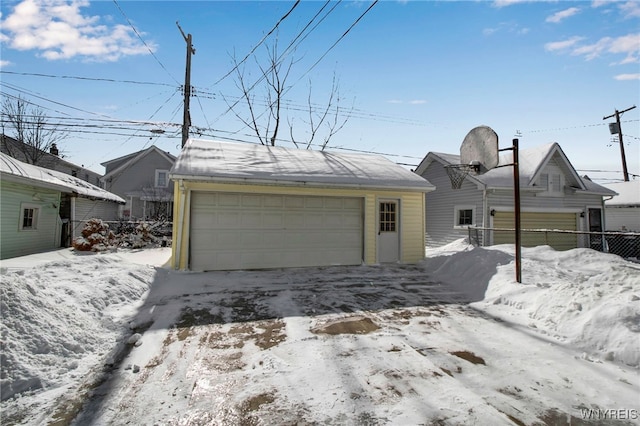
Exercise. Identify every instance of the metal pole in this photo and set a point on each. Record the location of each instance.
(516, 202)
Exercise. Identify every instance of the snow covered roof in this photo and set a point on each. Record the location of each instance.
(12, 169)
(251, 163)
(628, 193)
(532, 162)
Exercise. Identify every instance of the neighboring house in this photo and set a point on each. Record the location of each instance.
(42, 209)
(553, 196)
(142, 179)
(623, 210)
(247, 206)
(49, 160)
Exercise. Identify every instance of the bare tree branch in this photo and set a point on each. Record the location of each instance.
(267, 125)
(31, 127)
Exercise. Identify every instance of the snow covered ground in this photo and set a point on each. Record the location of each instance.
(118, 338)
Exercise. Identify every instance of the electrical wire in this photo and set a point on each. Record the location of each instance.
(143, 42)
(259, 43)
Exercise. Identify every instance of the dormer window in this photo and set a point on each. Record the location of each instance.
(551, 182)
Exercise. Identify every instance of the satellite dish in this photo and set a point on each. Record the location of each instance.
(479, 149)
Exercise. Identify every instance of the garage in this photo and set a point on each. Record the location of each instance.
(257, 231)
(248, 206)
(537, 220)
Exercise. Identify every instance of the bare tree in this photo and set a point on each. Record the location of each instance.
(321, 121)
(31, 128)
(328, 117)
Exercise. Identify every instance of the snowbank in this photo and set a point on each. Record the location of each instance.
(586, 299)
(61, 318)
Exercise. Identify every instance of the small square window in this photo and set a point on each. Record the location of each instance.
(162, 178)
(464, 216)
(29, 217)
(387, 217)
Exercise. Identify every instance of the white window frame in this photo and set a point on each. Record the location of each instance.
(456, 216)
(166, 182)
(34, 220)
(552, 179)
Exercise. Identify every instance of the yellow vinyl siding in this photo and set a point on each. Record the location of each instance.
(412, 212)
(537, 220)
(412, 228)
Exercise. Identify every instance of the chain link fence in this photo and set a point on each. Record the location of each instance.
(624, 244)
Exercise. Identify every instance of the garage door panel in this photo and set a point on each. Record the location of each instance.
(273, 200)
(294, 202)
(273, 220)
(252, 231)
(538, 220)
(251, 201)
(228, 200)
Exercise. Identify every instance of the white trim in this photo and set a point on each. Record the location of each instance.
(456, 215)
(34, 220)
(166, 180)
(398, 223)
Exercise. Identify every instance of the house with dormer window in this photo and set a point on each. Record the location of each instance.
(142, 179)
(553, 196)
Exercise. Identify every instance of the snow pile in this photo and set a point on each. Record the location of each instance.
(61, 318)
(583, 298)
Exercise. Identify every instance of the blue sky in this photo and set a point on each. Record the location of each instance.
(414, 76)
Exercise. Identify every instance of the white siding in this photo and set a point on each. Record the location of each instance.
(622, 219)
(440, 214)
(87, 209)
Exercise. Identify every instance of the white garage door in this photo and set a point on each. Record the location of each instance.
(253, 231)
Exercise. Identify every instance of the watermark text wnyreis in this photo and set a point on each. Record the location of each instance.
(610, 414)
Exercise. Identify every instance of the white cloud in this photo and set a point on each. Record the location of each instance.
(562, 45)
(418, 102)
(510, 27)
(505, 3)
(592, 51)
(630, 9)
(4, 64)
(628, 45)
(58, 30)
(562, 15)
(624, 77)
(394, 101)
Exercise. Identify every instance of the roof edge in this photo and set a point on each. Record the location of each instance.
(300, 183)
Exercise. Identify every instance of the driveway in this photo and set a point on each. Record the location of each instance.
(344, 345)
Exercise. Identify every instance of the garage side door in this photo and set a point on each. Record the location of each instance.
(254, 231)
(534, 220)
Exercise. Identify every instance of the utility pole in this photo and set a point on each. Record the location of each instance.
(618, 129)
(186, 116)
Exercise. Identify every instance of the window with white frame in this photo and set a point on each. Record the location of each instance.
(551, 183)
(29, 216)
(162, 178)
(464, 216)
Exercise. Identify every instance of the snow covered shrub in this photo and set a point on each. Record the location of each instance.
(96, 236)
(137, 236)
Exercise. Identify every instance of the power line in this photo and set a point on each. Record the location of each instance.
(278, 61)
(340, 39)
(143, 42)
(259, 43)
(75, 77)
